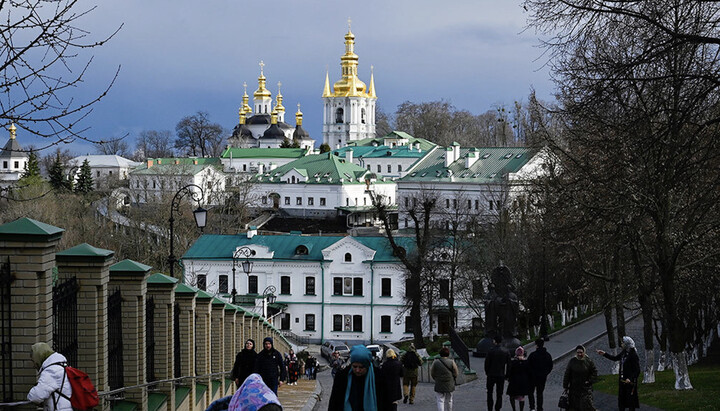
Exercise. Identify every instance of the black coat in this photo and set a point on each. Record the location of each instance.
(270, 366)
(629, 369)
(393, 372)
(244, 365)
(497, 362)
(541, 363)
(519, 380)
(340, 386)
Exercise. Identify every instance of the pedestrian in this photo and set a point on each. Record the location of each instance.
(629, 373)
(497, 362)
(310, 365)
(293, 368)
(411, 361)
(269, 364)
(519, 384)
(254, 395)
(444, 371)
(244, 363)
(393, 372)
(361, 387)
(53, 388)
(336, 364)
(541, 363)
(580, 375)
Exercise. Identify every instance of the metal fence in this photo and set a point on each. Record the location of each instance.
(150, 339)
(65, 333)
(6, 373)
(115, 343)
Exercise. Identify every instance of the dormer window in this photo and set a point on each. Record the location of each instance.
(301, 250)
(348, 257)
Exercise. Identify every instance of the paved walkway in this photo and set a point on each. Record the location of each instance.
(471, 396)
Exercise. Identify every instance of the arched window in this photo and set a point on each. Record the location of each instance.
(348, 257)
(339, 115)
(362, 115)
(293, 179)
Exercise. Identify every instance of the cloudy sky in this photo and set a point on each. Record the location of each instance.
(178, 57)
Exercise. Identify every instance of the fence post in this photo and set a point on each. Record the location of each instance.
(230, 346)
(131, 277)
(161, 289)
(185, 301)
(203, 345)
(218, 342)
(27, 247)
(91, 267)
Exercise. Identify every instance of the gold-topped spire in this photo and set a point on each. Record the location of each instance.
(273, 117)
(262, 91)
(326, 89)
(349, 85)
(242, 117)
(298, 116)
(371, 90)
(13, 131)
(278, 100)
(246, 100)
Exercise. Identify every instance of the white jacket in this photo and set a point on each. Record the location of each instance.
(50, 379)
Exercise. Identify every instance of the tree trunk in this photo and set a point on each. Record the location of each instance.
(619, 314)
(682, 377)
(647, 311)
(607, 311)
(649, 374)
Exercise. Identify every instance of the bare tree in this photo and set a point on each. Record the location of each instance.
(197, 136)
(42, 41)
(116, 146)
(153, 144)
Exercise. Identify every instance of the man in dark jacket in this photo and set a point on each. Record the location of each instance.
(541, 363)
(497, 363)
(269, 364)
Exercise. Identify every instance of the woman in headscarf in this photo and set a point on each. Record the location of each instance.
(254, 395)
(629, 373)
(580, 375)
(361, 387)
(244, 363)
(53, 388)
(519, 381)
(393, 372)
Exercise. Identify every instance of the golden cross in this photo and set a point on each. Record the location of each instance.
(262, 65)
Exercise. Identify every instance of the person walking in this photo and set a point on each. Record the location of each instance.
(540, 363)
(497, 362)
(393, 372)
(53, 388)
(444, 371)
(362, 387)
(336, 364)
(244, 363)
(518, 379)
(411, 361)
(629, 373)
(579, 377)
(269, 364)
(293, 367)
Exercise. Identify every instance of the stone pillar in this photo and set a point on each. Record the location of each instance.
(161, 288)
(27, 258)
(91, 267)
(248, 328)
(131, 276)
(185, 300)
(231, 343)
(218, 343)
(203, 346)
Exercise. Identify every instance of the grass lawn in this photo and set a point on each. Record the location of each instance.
(704, 378)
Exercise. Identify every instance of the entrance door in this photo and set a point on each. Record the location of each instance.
(443, 323)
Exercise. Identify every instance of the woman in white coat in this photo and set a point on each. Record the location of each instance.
(52, 379)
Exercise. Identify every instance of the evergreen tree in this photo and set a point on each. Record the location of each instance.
(31, 174)
(324, 148)
(58, 179)
(84, 183)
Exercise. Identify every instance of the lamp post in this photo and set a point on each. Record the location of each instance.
(268, 298)
(247, 265)
(543, 321)
(199, 213)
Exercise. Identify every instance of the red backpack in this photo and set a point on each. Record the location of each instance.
(84, 395)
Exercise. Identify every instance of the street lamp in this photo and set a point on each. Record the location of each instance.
(247, 265)
(200, 215)
(268, 298)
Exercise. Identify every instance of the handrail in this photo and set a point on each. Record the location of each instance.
(14, 404)
(175, 380)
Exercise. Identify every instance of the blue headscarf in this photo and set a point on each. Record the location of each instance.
(359, 353)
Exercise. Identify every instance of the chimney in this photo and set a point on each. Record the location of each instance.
(252, 231)
(149, 162)
(159, 160)
(177, 161)
(195, 161)
(471, 158)
(449, 156)
(349, 156)
(456, 150)
(273, 166)
(417, 146)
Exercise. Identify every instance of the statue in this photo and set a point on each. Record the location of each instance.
(501, 309)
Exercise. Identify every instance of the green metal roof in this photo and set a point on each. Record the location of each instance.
(381, 152)
(159, 278)
(325, 168)
(184, 166)
(217, 301)
(185, 289)
(27, 226)
(492, 165)
(234, 152)
(202, 294)
(129, 266)
(221, 247)
(85, 250)
(425, 145)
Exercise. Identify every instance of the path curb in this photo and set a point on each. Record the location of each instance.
(314, 398)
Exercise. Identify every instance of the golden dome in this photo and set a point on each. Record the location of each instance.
(13, 131)
(245, 99)
(262, 92)
(298, 116)
(349, 85)
(278, 100)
